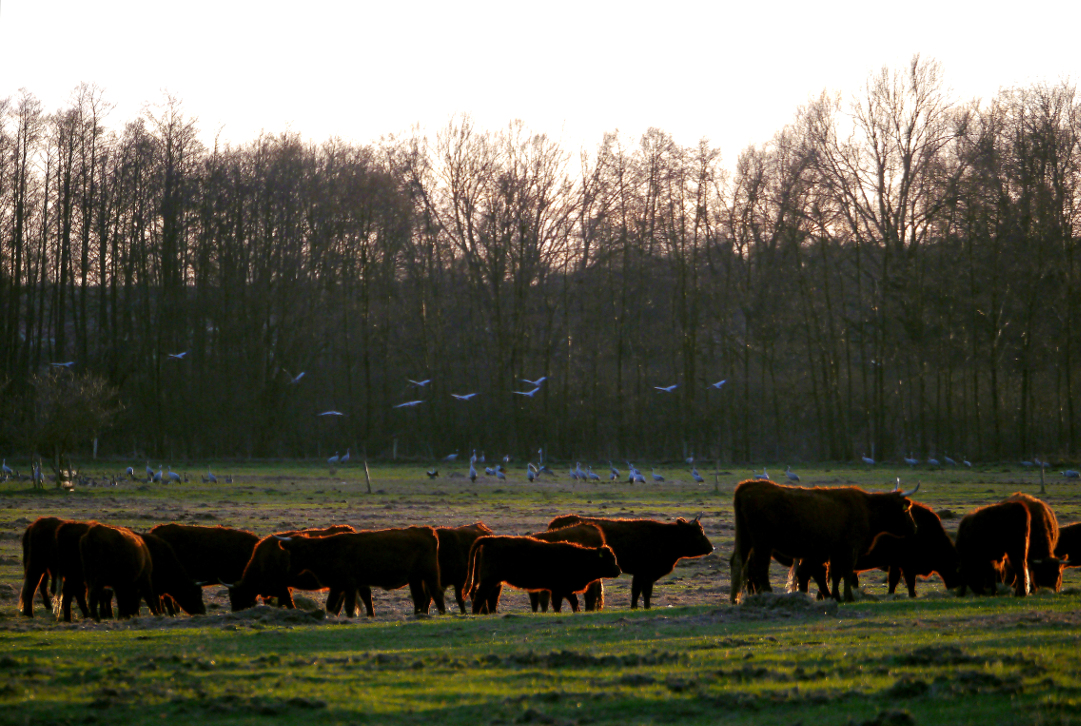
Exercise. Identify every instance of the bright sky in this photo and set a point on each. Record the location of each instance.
(732, 72)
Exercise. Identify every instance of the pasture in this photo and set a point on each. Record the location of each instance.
(693, 658)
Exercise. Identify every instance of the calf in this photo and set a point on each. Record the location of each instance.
(118, 558)
(587, 535)
(170, 582)
(454, 544)
(646, 549)
(271, 573)
(988, 536)
(531, 564)
(387, 559)
(39, 563)
(1069, 545)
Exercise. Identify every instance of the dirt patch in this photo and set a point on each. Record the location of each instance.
(769, 605)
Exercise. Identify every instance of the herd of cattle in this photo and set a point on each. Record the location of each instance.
(819, 533)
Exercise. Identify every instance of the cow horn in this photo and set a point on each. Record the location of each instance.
(283, 539)
(908, 493)
(699, 517)
(204, 583)
(223, 583)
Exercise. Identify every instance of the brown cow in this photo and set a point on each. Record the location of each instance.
(118, 558)
(69, 562)
(387, 559)
(1069, 545)
(986, 537)
(587, 535)
(927, 552)
(170, 581)
(647, 550)
(269, 573)
(1044, 567)
(531, 564)
(454, 544)
(209, 554)
(39, 563)
(816, 524)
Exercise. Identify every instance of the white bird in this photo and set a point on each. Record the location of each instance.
(1027, 464)
(420, 384)
(172, 475)
(345, 458)
(536, 383)
(179, 356)
(615, 471)
(910, 461)
(528, 393)
(69, 364)
(529, 473)
(591, 475)
(210, 476)
(149, 472)
(967, 463)
(667, 389)
(792, 476)
(330, 413)
(6, 469)
(463, 396)
(696, 476)
(296, 379)
(1072, 474)
(472, 470)
(949, 461)
(131, 473)
(451, 457)
(578, 470)
(868, 460)
(409, 404)
(690, 459)
(157, 476)
(657, 477)
(718, 384)
(333, 460)
(763, 476)
(500, 475)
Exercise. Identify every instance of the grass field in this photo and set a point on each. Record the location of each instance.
(693, 658)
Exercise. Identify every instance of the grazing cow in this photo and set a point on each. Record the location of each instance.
(170, 581)
(1069, 545)
(454, 544)
(387, 559)
(69, 563)
(1044, 567)
(815, 524)
(647, 550)
(587, 535)
(987, 536)
(929, 551)
(209, 554)
(118, 558)
(39, 563)
(270, 573)
(531, 564)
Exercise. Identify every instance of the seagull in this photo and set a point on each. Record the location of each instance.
(69, 364)
(179, 356)
(536, 383)
(463, 396)
(528, 393)
(330, 413)
(868, 460)
(696, 476)
(420, 384)
(657, 477)
(718, 384)
(432, 473)
(792, 476)
(333, 460)
(345, 458)
(667, 389)
(409, 404)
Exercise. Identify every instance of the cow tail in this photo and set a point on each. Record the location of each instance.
(473, 569)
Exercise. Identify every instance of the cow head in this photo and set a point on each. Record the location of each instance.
(692, 538)
(608, 565)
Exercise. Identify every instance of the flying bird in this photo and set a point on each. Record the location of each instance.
(69, 364)
(528, 393)
(179, 356)
(293, 380)
(536, 383)
(409, 404)
(463, 396)
(718, 384)
(330, 413)
(667, 389)
(420, 384)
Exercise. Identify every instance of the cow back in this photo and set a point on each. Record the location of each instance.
(987, 536)
(209, 554)
(114, 556)
(1069, 544)
(1042, 541)
(532, 564)
(454, 546)
(170, 578)
(645, 546)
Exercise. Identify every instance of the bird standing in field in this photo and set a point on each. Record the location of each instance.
(157, 477)
(792, 476)
(764, 476)
(332, 461)
(472, 471)
(657, 477)
(868, 460)
(210, 476)
(696, 476)
(345, 458)
(173, 476)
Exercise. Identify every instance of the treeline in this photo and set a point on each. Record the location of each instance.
(891, 274)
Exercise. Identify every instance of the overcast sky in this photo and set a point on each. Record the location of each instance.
(732, 72)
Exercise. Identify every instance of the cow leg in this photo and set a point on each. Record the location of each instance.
(735, 569)
(459, 597)
(557, 602)
(594, 596)
(365, 597)
(335, 598)
(285, 599)
(106, 604)
(31, 582)
(636, 590)
(647, 592)
(572, 599)
(420, 597)
(534, 601)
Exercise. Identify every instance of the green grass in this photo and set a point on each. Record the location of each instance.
(692, 659)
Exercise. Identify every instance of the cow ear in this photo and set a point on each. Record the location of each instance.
(681, 520)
